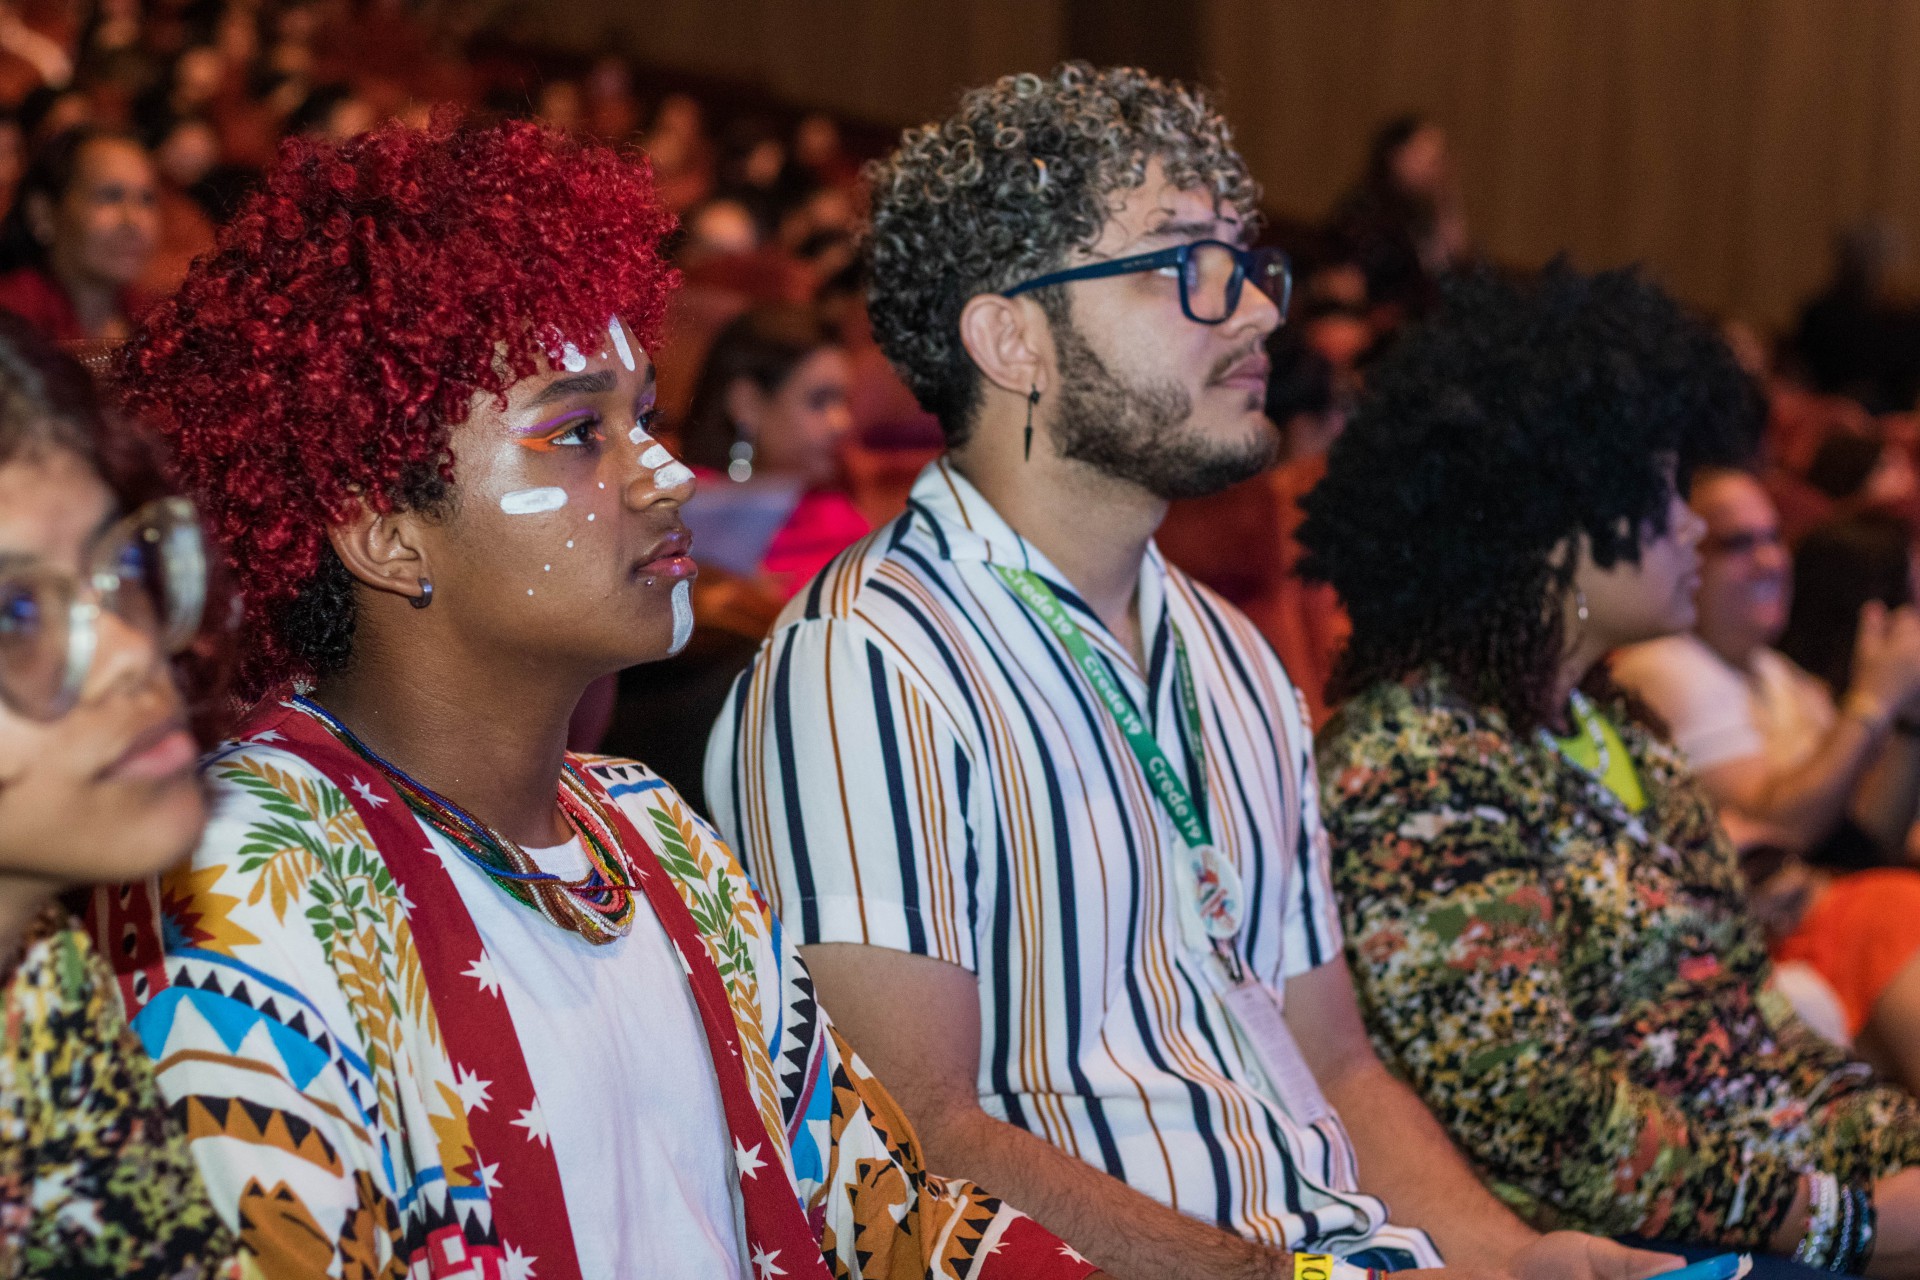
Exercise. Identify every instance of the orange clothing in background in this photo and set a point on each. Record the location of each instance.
(1861, 931)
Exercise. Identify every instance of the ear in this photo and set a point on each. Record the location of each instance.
(1008, 341)
(745, 405)
(384, 552)
(40, 217)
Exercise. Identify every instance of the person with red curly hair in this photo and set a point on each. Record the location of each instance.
(435, 997)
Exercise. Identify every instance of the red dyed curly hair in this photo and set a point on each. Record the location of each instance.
(321, 356)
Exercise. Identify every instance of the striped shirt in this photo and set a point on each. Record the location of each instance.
(913, 763)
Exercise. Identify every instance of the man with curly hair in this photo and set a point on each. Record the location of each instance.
(435, 998)
(1040, 807)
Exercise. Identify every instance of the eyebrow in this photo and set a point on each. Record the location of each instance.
(574, 384)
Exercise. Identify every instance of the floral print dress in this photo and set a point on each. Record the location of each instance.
(95, 1175)
(1577, 991)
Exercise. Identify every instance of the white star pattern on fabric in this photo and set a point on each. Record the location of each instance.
(534, 1123)
(481, 971)
(266, 735)
(364, 789)
(471, 1088)
(516, 1265)
(763, 1263)
(406, 903)
(749, 1161)
(1067, 1251)
(490, 1176)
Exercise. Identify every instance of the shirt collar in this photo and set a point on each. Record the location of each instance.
(967, 527)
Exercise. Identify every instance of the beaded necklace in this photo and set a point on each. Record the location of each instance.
(598, 906)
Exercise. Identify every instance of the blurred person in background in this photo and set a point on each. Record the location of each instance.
(104, 580)
(1545, 920)
(1404, 223)
(682, 154)
(765, 431)
(80, 236)
(1855, 337)
(13, 159)
(185, 153)
(1807, 770)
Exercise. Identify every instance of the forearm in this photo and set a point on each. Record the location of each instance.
(1806, 802)
(1408, 1161)
(1131, 1236)
(1885, 801)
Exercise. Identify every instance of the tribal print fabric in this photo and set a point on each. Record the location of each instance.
(355, 1092)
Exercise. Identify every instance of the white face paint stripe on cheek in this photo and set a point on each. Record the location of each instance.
(656, 457)
(638, 434)
(682, 615)
(619, 332)
(527, 502)
(672, 476)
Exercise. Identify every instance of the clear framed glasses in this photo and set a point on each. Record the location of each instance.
(1212, 274)
(149, 569)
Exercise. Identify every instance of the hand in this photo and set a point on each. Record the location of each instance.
(1569, 1255)
(1886, 657)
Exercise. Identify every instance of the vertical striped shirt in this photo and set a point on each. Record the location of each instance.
(912, 762)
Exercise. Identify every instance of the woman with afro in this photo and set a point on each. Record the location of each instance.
(1543, 914)
(435, 997)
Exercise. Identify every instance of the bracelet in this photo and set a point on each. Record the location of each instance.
(1816, 1248)
(1856, 1242)
(1324, 1266)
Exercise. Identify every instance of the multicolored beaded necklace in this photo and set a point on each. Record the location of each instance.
(598, 906)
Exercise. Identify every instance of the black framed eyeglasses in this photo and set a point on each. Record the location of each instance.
(1211, 275)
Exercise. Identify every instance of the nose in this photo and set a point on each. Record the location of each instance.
(1257, 313)
(657, 475)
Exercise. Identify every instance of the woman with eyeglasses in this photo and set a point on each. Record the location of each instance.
(97, 591)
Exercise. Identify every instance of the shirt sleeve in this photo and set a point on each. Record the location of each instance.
(1310, 918)
(1460, 970)
(845, 788)
(1704, 702)
(274, 1015)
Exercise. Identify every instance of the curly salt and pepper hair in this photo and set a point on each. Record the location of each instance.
(322, 354)
(1521, 415)
(1027, 171)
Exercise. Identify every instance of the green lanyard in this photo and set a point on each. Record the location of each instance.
(1216, 882)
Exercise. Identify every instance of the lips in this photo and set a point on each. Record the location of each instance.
(669, 558)
(1248, 373)
(161, 751)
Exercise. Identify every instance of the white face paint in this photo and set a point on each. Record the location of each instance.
(619, 332)
(571, 360)
(672, 476)
(682, 615)
(527, 502)
(656, 457)
(638, 434)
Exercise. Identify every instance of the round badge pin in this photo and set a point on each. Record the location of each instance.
(1221, 897)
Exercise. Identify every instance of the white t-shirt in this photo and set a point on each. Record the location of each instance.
(619, 1061)
(1718, 713)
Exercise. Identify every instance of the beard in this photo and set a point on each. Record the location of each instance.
(1140, 433)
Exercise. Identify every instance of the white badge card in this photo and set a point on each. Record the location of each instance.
(1262, 1029)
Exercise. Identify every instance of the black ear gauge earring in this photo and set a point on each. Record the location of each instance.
(1033, 398)
(425, 597)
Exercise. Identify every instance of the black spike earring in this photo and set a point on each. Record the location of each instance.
(1033, 398)
(425, 597)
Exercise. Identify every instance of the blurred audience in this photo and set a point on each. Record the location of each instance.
(1404, 224)
(80, 236)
